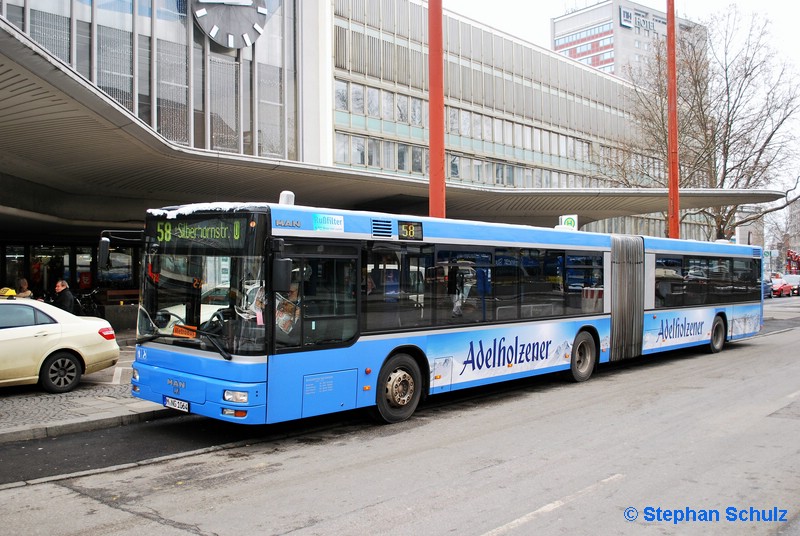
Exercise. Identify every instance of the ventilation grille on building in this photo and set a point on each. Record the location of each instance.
(382, 228)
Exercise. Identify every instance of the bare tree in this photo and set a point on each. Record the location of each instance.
(736, 102)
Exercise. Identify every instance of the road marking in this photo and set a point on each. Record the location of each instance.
(118, 375)
(503, 529)
(116, 378)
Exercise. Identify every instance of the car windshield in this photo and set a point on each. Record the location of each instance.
(792, 279)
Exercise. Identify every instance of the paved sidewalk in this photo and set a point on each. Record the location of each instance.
(102, 400)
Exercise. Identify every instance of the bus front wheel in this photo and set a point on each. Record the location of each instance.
(399, 389)
(584, 357)
(717, 335)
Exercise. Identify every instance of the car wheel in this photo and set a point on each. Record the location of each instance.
(60, 373)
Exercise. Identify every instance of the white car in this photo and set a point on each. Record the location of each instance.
(40, 343)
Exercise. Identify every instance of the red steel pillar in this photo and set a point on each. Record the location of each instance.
(436, 201)
(673, 210)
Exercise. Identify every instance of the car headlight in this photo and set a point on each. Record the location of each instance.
(240, 397)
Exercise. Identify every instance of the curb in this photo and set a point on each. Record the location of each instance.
(26, 433)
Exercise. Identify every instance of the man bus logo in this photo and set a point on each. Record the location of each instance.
(288, 223)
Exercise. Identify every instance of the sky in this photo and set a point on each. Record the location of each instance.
(530, 19)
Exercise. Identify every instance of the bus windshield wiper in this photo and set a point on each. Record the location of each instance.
(212, 338)
(148, 338)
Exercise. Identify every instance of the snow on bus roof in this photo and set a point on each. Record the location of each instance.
(173, 212)
(186, 210)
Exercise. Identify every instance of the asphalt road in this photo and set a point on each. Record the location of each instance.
(643, 441)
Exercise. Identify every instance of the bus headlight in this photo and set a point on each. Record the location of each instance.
(135, 375)
(240, 397)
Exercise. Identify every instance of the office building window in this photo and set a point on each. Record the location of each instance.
(387, 110)
(389, 155)
(342, 155)
(340, 96)
(416, 112)
(417, 153)
(402, 109)
(403, 157)
(357, 99)
(373, 102)
(357, 150)
(374, 153)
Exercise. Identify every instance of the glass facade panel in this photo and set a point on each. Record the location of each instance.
(199, 89)
(50, 26)
(224, 78)
(172, 71)
(15, 13)
(83, 47)
(247, 108)
(109, 62)
(115, 50)
(143, 71)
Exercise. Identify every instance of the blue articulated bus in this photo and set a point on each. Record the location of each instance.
(260, 313)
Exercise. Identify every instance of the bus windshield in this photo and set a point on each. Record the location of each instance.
(204, 283)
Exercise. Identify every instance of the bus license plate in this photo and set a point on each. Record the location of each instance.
(174, 403)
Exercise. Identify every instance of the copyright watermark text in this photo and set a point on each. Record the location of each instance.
(731, 514)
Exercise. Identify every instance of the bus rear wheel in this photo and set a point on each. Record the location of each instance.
(584, 357)
(399, 389)
(717, 336)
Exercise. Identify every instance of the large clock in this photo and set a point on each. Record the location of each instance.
(231, 23)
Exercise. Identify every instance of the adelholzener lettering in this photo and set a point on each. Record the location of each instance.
(679, 328)
(501, 353)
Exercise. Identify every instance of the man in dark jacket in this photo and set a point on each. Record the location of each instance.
(64, 299)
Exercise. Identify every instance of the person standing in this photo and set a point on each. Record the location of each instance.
(455, 288)
(64, 298)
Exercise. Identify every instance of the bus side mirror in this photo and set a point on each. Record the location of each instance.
(281, 275)
(102, 251)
